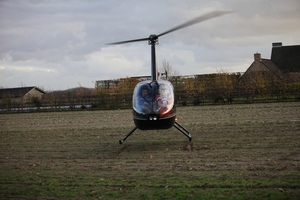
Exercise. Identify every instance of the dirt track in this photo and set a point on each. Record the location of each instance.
(238, 151)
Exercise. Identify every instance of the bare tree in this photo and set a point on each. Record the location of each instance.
(166, 67)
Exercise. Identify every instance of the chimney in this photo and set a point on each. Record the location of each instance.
(277, 44)
(257, 57)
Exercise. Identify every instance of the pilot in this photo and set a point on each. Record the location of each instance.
(145, 101)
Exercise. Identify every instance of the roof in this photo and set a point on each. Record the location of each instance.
(272, 67)
(287, 58)
(17, 92)
(269, 64)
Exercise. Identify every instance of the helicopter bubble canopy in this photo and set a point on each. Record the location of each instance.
(153, 98)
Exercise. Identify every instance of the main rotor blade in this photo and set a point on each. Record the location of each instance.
(128, 41)
(196, 20)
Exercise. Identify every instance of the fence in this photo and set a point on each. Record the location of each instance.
(124, 101)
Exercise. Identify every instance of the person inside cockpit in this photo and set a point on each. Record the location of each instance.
(163, 100)
(145, 101)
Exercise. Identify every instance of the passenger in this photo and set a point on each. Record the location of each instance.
(163, 100)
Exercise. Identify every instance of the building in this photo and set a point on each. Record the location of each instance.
(115, 83)
(20, 95)
(287, 59)
(269, 74)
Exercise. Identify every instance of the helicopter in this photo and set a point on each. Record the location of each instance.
(153, 100)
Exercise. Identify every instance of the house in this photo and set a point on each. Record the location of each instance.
(20, 95)
(287, 58)
(265, 75)
(261, 68)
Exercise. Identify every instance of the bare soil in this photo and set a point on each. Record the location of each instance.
(247, 151)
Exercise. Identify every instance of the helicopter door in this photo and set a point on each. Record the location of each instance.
(153, 98)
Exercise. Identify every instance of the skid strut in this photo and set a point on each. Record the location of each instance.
(183, 130)
(176, 125)
(128, 134)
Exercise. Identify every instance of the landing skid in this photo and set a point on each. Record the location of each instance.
(128, 134)
(183, 130)
(176, 125)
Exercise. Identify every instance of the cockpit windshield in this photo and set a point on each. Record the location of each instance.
(155, 97)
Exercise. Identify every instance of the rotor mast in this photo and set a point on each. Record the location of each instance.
(153, 40)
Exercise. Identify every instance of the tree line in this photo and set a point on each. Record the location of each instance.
(218, 88)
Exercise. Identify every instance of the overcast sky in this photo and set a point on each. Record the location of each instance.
(58, 45)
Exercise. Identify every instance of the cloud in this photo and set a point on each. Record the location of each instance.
(58, 44)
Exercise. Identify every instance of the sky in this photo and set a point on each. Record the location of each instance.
(58, 45)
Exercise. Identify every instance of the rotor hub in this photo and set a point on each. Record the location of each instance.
(153, 39)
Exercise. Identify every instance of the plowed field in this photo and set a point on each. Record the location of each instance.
(237, 152)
